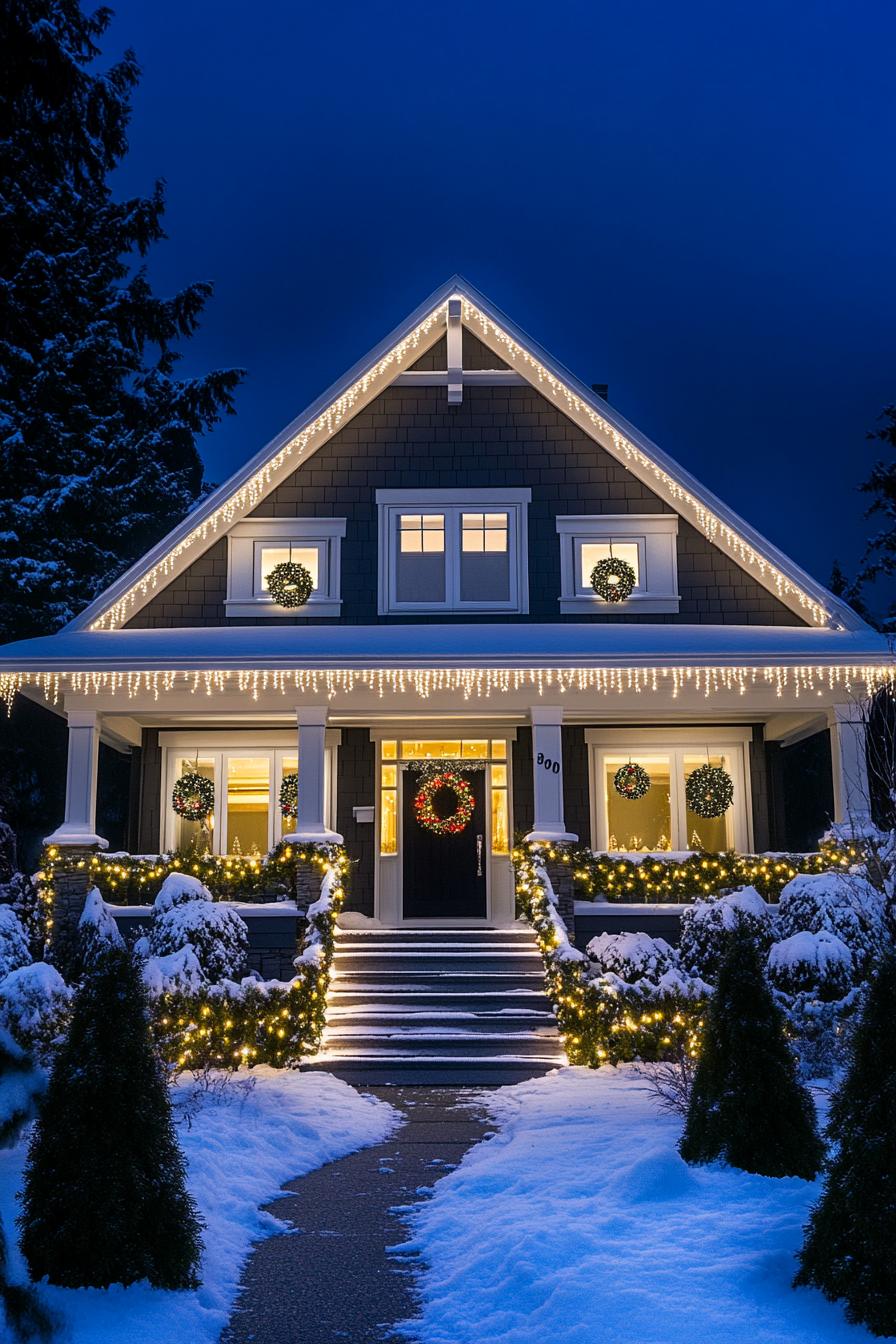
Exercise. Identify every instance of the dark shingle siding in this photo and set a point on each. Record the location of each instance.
(409, 438)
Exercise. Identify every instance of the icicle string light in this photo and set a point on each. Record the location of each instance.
(292, 453)
(472, 683)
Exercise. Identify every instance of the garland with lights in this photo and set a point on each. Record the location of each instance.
(425, 812)
(613, 579)
(193, 796)
(631, 781)
(290, 584)
(709, 791)
(289, 795)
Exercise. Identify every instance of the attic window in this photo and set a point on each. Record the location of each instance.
(452, 550)
(647, 542)
(257, 545)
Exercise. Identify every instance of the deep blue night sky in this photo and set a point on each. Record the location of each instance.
(694, 202)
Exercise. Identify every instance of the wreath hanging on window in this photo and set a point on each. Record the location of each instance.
(289, 795)
(424, 799)
(631, 781)
(613, 579)
(193, 796)
(290, 584)
(709, 791)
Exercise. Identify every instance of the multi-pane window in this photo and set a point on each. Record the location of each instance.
(455, 557)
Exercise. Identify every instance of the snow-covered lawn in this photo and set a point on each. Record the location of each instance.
(240, 1151)
(578, 1223)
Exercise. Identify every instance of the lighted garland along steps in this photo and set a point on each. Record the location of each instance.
(458, 1006)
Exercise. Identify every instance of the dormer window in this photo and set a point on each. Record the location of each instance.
(257, 545)
(647, 542)
(453, 551)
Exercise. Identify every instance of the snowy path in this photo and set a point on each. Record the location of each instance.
(578, 1223)
(334, 1282)
(239, 1152)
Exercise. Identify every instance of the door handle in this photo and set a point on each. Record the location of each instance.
(479, 856)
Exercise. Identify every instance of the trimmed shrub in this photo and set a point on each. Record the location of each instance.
(22, 895)
(819, 964)
(216, 934)
(178, 889)
(35, 1004)
(707, 925)
(97, 929)
(848, 1247)
(105, 1198)
(632, 956)
(14, 949)
(747, 1105)
(844, 904)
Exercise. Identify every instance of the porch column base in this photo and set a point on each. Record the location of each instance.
(546, 837)
(303, 837)
(70, 888)
(62, 838)
(562, 881)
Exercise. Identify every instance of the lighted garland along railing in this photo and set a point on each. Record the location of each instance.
(599, 1023)
(660, 880)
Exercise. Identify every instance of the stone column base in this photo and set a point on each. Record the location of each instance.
(70, 887)
(562, 881)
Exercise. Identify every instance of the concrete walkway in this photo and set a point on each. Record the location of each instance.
(331, 1281)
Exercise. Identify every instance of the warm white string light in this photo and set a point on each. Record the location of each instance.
(471, 682)
(330, 420)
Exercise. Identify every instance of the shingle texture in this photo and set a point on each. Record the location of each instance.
(411, 438)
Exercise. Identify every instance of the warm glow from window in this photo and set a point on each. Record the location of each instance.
(422, 532)
(709, 833)
(388, 821)
(190, 833)
(248, 803)
(640, 825)
(593, 551)
(484, 531)
(271, 556)
(390, 751)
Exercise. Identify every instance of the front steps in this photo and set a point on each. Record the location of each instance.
(436, 1006)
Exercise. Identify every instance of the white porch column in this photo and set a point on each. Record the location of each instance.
(310, 824)
(547, 770)
(849, 763)
(79, 827)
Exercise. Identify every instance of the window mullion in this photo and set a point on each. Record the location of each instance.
(453, 519)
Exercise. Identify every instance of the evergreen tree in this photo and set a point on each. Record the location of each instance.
(98, 451)
(848, 1250)
(879, 559)
(21, 1311)
(747, 1105)
(105, 1199)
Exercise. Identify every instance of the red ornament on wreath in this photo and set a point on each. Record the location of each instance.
(425, 812)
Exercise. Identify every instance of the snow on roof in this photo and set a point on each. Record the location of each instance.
(443, 645)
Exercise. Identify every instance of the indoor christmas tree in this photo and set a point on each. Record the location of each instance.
(98, 451)
(848, 1250)
(105, 1199)
(747, 1105)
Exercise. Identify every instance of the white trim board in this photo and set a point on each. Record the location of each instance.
(330, 412)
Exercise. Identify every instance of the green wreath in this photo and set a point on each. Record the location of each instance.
(193, 796)
(426, 813)
(631, 781)
(289, 795)
(613, 579)
(709, 791)
(290, 584)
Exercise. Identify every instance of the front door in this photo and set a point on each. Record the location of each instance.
(443, 873)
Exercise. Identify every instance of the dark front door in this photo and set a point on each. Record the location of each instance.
(443, 875)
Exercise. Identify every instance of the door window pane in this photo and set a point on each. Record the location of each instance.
(709, 833)
(271, 556)
(194, 834)
(420, 558)
(248, 804)
(640, 824)
(593, 551)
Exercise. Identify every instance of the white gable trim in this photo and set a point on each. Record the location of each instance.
(370, 376)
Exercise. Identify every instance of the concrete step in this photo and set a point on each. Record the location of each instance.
(412, 937)
(454, 982)
(437, 963)
(472, 1072)
(378, 1015)
(433, 995)
(411, 1042)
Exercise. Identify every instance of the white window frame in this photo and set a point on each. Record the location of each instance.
(452, 503)
(245, 540)
(676, 743)
(655, 535)
(278, 747)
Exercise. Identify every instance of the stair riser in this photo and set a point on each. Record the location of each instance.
(370, 982)
(439, 1047)
(467, 1003)
(437, 966)
(410, 1074)
(432, 1022)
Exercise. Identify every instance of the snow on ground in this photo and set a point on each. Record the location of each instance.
(579, 1223)
(240, 1151)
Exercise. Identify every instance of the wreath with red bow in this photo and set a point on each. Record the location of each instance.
(426, 813)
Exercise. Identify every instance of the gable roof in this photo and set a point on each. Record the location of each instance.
(372, 374)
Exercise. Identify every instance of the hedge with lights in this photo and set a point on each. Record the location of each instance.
(599, 1022)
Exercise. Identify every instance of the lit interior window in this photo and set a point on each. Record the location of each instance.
(287, 822)
(500, 809)
(194, 834)
(248, 804)
(484, 531)
(709, 833)
(422, 532)
(389, 798)
(640, 825)
(271, 556)
(593, 551)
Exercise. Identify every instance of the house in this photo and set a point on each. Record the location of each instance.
(450, 498)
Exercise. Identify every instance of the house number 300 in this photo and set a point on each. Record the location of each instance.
(548, 764)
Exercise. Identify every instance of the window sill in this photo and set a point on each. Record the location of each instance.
(259, 607)
(642, 603)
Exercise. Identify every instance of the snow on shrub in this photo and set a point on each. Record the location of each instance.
(632, 956)
(177, 973)
(34, 1007)
(97, 929)
(216, 934)
(819, 964)
(706, 925)
(178, 889)
(21, 894)
(14, 950)
(845, 904)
